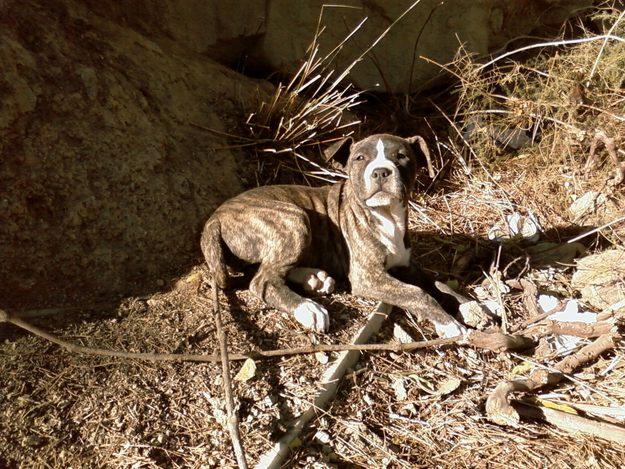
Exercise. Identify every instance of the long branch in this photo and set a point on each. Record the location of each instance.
(490, 341)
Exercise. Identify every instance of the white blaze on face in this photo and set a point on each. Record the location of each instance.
(380, 161)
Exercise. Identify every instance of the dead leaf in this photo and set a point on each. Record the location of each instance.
(522, 368)
(247, 371)
(448, 386)
(599, 278)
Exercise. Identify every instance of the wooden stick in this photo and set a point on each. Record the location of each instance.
(577, 329)
(233, 420)
(496, 342)
(574, 423)
(498, 408)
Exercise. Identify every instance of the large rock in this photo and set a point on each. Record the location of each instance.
(480, 26)
(224, 30)
(104, 181)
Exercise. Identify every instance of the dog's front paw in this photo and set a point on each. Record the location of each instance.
(313, 316)
(319, 282)
(450, 329)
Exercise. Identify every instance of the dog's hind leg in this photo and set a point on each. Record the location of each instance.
(268, 284)
(315, 281)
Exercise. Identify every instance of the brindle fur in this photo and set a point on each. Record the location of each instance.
(330, 228)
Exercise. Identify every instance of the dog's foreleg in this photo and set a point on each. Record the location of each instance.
(381, 286)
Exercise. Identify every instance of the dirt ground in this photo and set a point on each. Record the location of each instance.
(59, 409)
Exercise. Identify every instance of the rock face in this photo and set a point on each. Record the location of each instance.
(481, 26)
(273, 35)
(104, 181)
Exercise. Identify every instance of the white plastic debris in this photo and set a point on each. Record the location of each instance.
(516, 226)
(495, 307)
(548, 302)
(322, 358)
(322, 437)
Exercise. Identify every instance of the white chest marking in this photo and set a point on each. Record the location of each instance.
(391, 230)
(380, 161)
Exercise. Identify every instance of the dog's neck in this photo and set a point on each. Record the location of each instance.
(390, 226)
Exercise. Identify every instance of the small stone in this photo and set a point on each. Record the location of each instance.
(322, 358)
(322, 437)
(401, 335)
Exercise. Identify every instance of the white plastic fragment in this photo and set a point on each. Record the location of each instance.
(516, 226)
(494, 307)
(548, 302)
(322, 437)
(322, 358)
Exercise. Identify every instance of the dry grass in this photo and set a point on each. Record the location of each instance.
(311, 111)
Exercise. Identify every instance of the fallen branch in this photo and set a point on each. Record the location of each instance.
(233, 420)
(577, 329)
(498, 408)
(573, 423)
(495, 341)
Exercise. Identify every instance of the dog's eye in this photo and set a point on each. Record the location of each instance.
(360, 157)
(401, 155)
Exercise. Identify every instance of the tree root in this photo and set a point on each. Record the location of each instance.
(498, 408)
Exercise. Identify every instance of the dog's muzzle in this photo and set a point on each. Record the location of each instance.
(384, 186)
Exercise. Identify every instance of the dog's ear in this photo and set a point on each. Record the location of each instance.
(420, 148)
(339, 151)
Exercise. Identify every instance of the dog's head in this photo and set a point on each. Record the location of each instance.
(382, 168)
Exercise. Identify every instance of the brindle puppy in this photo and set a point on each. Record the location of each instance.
(355, 229)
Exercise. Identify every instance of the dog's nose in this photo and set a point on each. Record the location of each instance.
(380, 173)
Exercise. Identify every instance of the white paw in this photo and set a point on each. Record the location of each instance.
(313, 316)
(319, 282)
(450, 329)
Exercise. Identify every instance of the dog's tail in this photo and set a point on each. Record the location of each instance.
(212, 248)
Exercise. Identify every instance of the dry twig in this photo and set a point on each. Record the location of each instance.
(233, 420)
